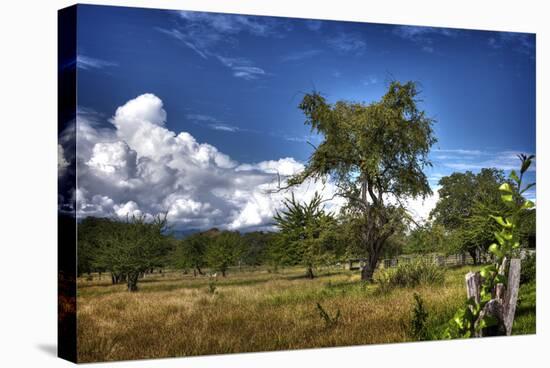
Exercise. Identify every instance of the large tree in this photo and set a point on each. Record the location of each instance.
(465, 202)
(375, 154)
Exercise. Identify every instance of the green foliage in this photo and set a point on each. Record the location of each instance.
(528, 269)
(257, 246)
(90, 232)
(132, 247)
(465, 201)
(224, 250)
(528, 228)
(525, 320)
(467, 321)
(419, 315)
(425, 239)
(371, 151)
(330, 321)
(410, 274)
(212, 287)
(306, 234)
(190, 252)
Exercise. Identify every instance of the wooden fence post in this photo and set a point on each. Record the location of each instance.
(473, 285)
(511, 297)
(503, 304)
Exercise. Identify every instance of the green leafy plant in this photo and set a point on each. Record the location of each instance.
(528, 269)
(418, 272)
(468, 320)
(212, 287)
(330, 321)
(419, 316)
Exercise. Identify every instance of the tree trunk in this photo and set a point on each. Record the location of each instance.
(132, 281)
(199, 270)
(309, 273)
(368, 269)
(473, 254)
(115, 278)
(223, 272)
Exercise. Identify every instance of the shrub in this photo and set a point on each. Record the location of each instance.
(212, 287)
(528, 269)
(419, 316)
(419, 272)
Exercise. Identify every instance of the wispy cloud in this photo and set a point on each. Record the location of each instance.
(198, 44)
(206, 33)
(460, 151)
(241, 67)
(429, 49)
(313, 25)
(464, 159)
(87, 63)
(420, 33)
(300, 55)
(423, 36)
(232, 23)
(224, 127)
(213, 123)
(520, 42)
(369, 80)
(347, 43)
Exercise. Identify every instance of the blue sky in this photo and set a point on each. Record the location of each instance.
(235, 81)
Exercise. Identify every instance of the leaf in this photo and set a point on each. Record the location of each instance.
(500, 279)
(486, 272)
(527, 188)
(514, 176)
(499, 238)
(506, 235)
(507, 197)
(505, 188)
(501, 222)
(527, 205)
(526, 163)
(495, 249)
(487, 321)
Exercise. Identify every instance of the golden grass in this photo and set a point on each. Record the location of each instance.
(176, 315)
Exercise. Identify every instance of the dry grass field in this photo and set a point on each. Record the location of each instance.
(179, 315)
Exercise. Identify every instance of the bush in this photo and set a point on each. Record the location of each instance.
(419, 316)
(419, 272)
(528, 269)
(212, 287)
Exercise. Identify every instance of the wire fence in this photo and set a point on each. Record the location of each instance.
(453, 260)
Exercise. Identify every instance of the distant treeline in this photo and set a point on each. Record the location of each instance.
(306, 235)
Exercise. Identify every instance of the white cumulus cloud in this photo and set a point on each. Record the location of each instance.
(138, 166)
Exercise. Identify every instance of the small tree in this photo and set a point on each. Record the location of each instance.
(90, 231)
(224, 250)
(306, 233)
(191, 253)
(490, 311)
(132, 247)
